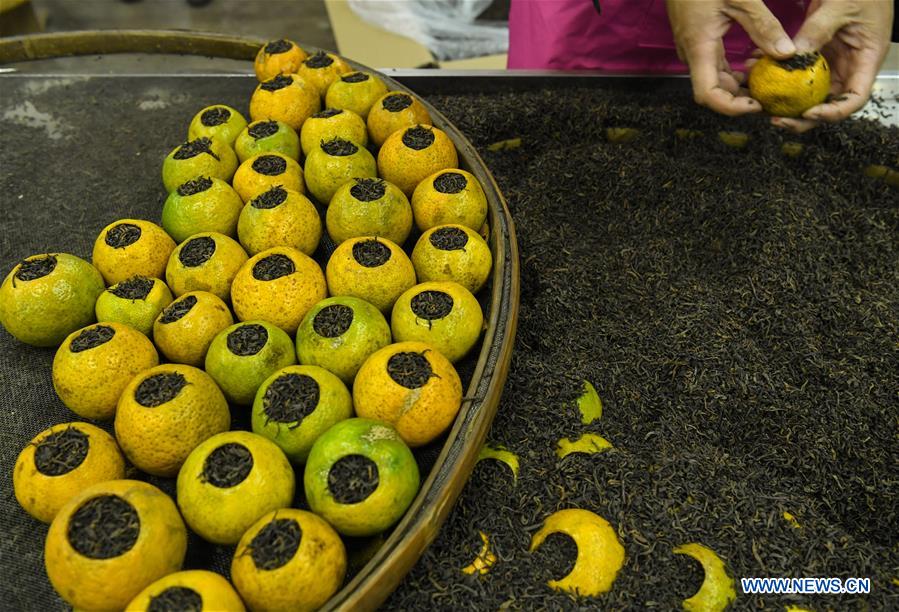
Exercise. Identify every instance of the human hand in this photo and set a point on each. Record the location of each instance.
(698, 29)
(854, 37)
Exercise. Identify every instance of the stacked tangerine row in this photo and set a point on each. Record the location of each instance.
(236, 240)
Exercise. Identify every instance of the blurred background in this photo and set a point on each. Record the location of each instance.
(378, 33)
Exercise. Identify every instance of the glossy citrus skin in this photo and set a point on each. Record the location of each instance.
(344, 124)
(600, 553)
(269, 65)
(145, 257)
(469, 265)
(397, 476)
(381, 285)
(227, 132)
(388, 217)
(222, 514)
(453, 335)
(216, 592)
(467, 207)
(383, 122)
(296, 438)
(292, 104)
(158, 439)
(239, 376)
(419, 415)
(306, 581)
(407, 167)
(109, 584)
(215, 275)
(45, 310)
(248, 183)
(785, 92)
(321, 78)
(284, 301)
(138, 314)
(89, 382)
(358, 96)
(294, 223)
(219, 162)
(213, 210)
(284, 141)
(326, 173)
(42, 495)
(344, 354)
(187, 339)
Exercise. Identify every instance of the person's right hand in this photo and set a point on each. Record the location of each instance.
(854, 37)
(699, 27)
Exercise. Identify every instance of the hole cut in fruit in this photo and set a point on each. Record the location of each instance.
(279, 82)
(195, 186)
(272, 198)
(227, 466)
(411, 370)
(450, 182)
(159, 389)
(263, 129)
(61, 452)
(135, 288)
(320, 59)
(394, 103)
(800, 61)
(177, 310)
(352, 479)
(176, 599)
(273, 267)
(431, 305)
(290, 399)
(327, 113)
(91, 338)
(36, 268)
(122, 235)
(270, 165)
(368, 189)
(418, 138)
(247, 340)
(278, 46)
(371, 253)
(215, 116)
(195, 147)
(355, 77)
(275, 544)
(333, 320)
(338, 147)
(197, 251)
(449, 239)
(104, 527)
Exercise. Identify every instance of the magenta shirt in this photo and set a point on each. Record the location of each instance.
(627, 36)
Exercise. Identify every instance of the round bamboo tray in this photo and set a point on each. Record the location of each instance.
(442, 485)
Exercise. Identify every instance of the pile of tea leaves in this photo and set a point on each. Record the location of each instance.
(737, 311)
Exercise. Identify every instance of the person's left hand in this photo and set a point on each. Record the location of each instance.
(854, 36)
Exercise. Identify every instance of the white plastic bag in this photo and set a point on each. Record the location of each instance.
(446, 27)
